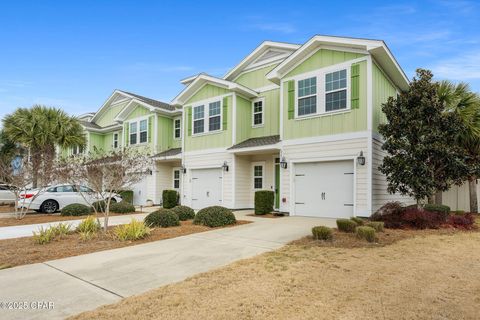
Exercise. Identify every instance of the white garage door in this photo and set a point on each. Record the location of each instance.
(324, 189)
(206, 188)
(140, 192)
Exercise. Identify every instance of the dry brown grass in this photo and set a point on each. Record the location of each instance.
(20, 251)
(430, 276)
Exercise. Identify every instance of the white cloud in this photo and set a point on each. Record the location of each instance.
(462, 67)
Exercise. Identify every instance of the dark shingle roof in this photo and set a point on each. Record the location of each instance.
(257, 142)
(89, 124)
(152, 102)
(169, 153)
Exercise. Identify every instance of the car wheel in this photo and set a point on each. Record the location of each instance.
(49, 206)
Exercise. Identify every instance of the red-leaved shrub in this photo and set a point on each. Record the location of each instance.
(421, 219)
(465, 221)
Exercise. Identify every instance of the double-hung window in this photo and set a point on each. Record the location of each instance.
(307, 96)
(177, 129)
(257, 113)
(336, 90)
(133, 133)
(214, 115)
(258, 176)
(143, 131)
(139, 132)
(176, 179)
(198, 119)
(207, 120)
(115, 140)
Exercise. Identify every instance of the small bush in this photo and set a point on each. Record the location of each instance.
(441, 210)
(322, 233)
(121, 207)
(466, 221)
(264, 202)
(87, 235)
(459, 212)
(132, 231)
(377, 225)
(99, 206)
(367, 233)
(127, 195)
(44, 235)
(390, 213)
(170, 199)
(162, 218)
(89, 224)
(346, 225)
(184, 213)
(76, 209)
(215, 216)
(421, 219)
(62, 229)
(358, 221)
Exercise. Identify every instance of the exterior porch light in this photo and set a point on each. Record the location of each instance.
(225, 166)
(283, 163)
(184, 170)
(150, 172)
(361, 159)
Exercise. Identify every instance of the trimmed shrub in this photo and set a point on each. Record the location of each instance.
(184, 213)
(44, 235)
(358, 221)
(76, 209)
(132, 231)
(377, 225)
(466, 221)
(264, 200)
(162, 218)
(127, 195)
(215, 216)
(346, 225)
(170, 199)
(121, 207)
(322, 233)
(89, 224)
(421, 219)
(99, 206)
(440, 209)
(367, 233)
(390, 213)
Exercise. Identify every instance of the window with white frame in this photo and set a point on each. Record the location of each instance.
(77, 150)
(336, 90)
(177, 128)
(139, 131)
(258, 176)
(133, 133)
(207, 120)
(176, 179)
(198, 119)
(115, 140)
(307, 96)
(143, 131)
(257, 112)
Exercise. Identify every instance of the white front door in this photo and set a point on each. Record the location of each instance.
(324, 189)
(206, 188)
(140, 192)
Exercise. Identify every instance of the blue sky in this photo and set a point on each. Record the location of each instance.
(73, 54)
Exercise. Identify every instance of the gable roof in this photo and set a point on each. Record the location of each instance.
(377, 48)
(203, 79)
(151, 102)
(266, 52)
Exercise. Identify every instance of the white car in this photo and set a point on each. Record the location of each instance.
(54, 198)
(6, 194)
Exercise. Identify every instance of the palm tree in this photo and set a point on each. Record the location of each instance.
(458, 98)
(40, 130)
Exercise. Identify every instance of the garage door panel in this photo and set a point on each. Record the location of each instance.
(324, 189)
(206, 188)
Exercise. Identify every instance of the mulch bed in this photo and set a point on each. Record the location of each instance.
(268, 215)
(21, 251)
(34, 218)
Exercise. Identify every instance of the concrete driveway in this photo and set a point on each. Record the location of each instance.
(85, 282)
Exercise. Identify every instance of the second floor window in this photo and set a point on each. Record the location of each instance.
(139, 132)
(143, 131)
(257, 113)
(336, 90)
(133, 133)
(177, 129)
(207, 120)
(115, 140)
(198, 119)
(307, 96)
(214, 116)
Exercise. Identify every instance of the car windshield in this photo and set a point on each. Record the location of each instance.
(85, 189)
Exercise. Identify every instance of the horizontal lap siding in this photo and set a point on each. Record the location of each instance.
(164, 179)
(380, 195)
(458, 197)
(242, 182)
(322, 151)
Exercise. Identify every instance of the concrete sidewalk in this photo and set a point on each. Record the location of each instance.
(85, 282)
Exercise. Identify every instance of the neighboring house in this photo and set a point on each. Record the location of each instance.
(295, 119)
(134, 121)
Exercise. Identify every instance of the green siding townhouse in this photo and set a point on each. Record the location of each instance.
(133, 121)
(300, 120)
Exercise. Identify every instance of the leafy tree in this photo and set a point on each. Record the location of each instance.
(40, 130)
(458, 98)
(423, 157)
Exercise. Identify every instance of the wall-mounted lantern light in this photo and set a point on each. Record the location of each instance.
(150, 172)
(283, 163)
(184, 170)
(225, 166)
(361, 159)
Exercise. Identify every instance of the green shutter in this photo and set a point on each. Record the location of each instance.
(189, 120)
(225, 113)
(355, 86)
(291, 99)
(150, 124)
(127, 136)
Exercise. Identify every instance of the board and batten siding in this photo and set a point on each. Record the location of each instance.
(256, 78)
(326, 151)
(380, 195)
(205, 161)
(382, 90)
(344, 121)
(106, 119)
